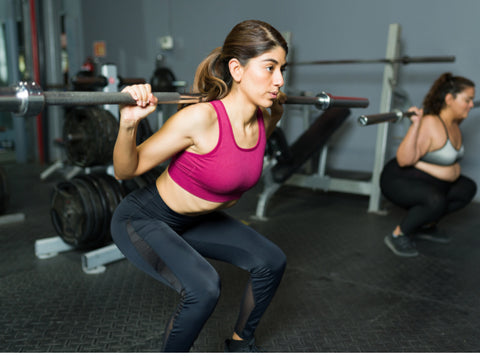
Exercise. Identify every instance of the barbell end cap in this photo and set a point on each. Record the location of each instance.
(399, 114)
(323, 101)
(31, 99)
(363, 120)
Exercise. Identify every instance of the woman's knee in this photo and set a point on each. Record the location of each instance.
(280, 262)
(437, 203)
(274, 264)
(469, 187)
(205, 291)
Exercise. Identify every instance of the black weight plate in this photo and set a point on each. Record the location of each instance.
(114, 194)
(115, 187)
(110, 198)
(89, 135)
(99, 196)
(109, 125)
(95, 212)
(67, 211)
(81, 137)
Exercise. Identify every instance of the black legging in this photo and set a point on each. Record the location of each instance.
(427, 198)
(171, 247)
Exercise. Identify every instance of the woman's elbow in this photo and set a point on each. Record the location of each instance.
(118, 176)
(403, 162)
(121, 175)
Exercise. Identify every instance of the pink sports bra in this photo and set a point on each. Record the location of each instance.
(227, 171)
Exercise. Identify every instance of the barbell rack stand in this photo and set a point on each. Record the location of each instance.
(369, 187)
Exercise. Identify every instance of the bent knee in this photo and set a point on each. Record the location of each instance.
(437, 203)
(205, 291)
(274, 265)
(280, 262)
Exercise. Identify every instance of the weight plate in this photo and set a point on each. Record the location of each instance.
(68, 214)
(89, 135)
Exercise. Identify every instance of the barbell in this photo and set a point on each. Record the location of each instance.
(401, 60)
(393, 116)
(28, 99)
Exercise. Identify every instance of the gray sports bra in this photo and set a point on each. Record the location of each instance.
(446, 155)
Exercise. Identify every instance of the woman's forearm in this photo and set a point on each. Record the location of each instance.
(125, 155)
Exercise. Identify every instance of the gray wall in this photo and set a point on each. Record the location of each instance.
(321, 30)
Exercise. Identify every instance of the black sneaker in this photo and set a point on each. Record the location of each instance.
(401, 245)
(241, 346)
(433, 234)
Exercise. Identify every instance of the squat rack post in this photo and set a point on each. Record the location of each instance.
(390, 76)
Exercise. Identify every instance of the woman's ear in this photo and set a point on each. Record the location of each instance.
(449, 98)
(236, 69)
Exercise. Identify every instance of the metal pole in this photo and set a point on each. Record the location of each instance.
(53, 62)
(21, 147)
(74, 35)
(402, 60)
(389, 81)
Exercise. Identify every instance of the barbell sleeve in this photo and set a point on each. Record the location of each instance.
(324, 101)
(393, 116)
(23, 99)
(344, 101)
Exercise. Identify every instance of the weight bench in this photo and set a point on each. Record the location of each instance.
(289, 159)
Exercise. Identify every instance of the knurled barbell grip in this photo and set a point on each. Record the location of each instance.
(78, 98)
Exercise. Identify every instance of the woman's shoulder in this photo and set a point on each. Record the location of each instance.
(430, 118)
(197, 112)
(432, 122)
(434, 129)
(195, 116)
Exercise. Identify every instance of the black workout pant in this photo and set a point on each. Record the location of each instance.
(171, 247)
(426, 198)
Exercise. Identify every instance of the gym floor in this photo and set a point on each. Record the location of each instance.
(343, 290)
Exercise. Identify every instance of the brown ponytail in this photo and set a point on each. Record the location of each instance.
(209, 77)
